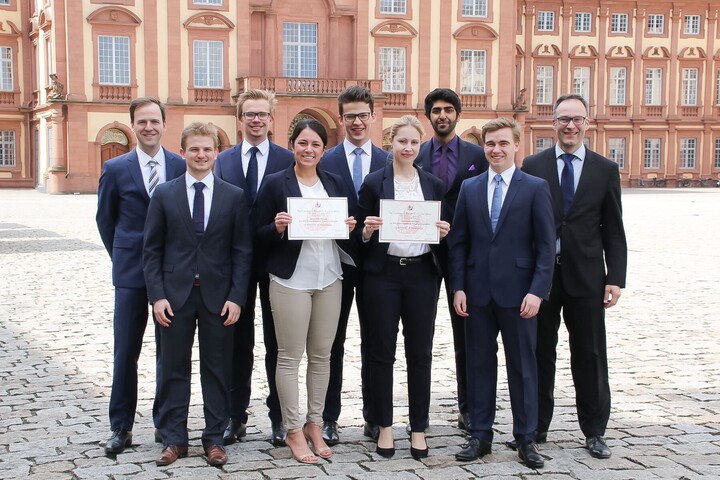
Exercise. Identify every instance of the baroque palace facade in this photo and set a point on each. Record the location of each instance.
(68, 69)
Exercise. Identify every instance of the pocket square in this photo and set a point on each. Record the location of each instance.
(472, 168)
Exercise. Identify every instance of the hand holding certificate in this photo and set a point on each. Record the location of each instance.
(410, 221)
(318, 218)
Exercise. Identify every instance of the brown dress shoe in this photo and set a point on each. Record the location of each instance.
(216, 455)
(170, 454)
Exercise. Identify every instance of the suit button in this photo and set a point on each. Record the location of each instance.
(564, 223)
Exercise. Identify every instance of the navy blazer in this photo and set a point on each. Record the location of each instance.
(335, 161)
(518, 258)
(173, 253)
(122, 207)
(381, 185)
(282, 254)
(592, 235)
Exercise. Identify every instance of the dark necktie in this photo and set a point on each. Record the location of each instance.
(443, 166)
(154, 177)
(199, 208)
(357, 169)
(567, 181)
(251, 176)
(496, 202)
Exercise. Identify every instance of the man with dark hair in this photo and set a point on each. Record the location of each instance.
(126, 185)
(453, 160)
(590, 269)
(352, 159)
(245, 166)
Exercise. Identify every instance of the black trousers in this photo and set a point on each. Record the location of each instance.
(215, 342)
(243, 355)
(407, 293)
(458, 329)
(585, 321)
(351, 286)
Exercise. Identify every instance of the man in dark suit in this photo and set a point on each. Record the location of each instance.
(590, 269)
(501, 264)
(452, 160)
(246, 165)
(196, 258)
(126, 185)
(352, 160)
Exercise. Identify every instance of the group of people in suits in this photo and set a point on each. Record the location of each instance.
(518, 247)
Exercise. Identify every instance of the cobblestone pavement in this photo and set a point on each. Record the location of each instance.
(56, 361)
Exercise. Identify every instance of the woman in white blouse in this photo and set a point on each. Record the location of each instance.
(305, 287)
(401, 283)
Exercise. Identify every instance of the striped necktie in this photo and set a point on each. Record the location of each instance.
(154, 177)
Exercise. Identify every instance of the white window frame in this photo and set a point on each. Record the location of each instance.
(691, 25)
(475, 8)
(473, 71)
(544, 84)
(392, 69)
(653, 86)
(7, 77)
(208, 64)
(8, 149)
(688, 152)
(717, 89)
(618, 85)
(656, 24)
(652, 151)
(581, 82)
(717, 152)
(619, 23)
(393, 7)
(208, 2)
(113, 60)
(546, 21)
(583, 22)
(300, 49)
(543, 143)
(616, 150)
(690, 86)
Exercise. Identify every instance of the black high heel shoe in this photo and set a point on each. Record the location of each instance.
(385, 452)
(417, 453)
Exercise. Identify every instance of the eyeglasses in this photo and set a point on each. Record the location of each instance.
(350, 117)
(253, 115)
(575, 120)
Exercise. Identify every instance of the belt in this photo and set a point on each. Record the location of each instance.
(408, 260)
(196, 281)
(558, 260)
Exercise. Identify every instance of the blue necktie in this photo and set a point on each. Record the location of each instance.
(251, 176)
(357, 169)
(154, 177)
(496, 202)
(567, 181)
(199, 208)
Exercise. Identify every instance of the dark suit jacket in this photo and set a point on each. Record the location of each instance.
(518, 258)
(380, 185)
(592, 236)
(122, 208)
(335, 161)
(173, 253)
(283, 253)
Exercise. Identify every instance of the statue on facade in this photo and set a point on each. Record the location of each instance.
(520, 104)
(56, 88)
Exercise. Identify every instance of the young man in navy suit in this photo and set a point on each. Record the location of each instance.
(126, 185)
(501, 264)
(452, 160)
(352, 160)
(245, 166)
(590, 269)
(196, 259)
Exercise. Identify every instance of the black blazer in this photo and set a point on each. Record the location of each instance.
(380, 185)
(173, 253)
(282, 254)
(592, 235)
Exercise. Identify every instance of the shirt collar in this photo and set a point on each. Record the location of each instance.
(264, 148)
(144, 158)
(452, 144)
(209, 180)
(506, 175)
(579, 153)
(350, 148)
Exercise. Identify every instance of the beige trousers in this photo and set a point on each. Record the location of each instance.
(304, 319)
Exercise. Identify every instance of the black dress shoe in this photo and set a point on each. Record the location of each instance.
(474, 449)
(540, 437)
(385, 452)
(234, 431)
(118, 442)
(279, 433)
(371, 430)
(528, 453)
(597, 447)
(417, 453)
(464, 421)
(158, 436)
(330, 433)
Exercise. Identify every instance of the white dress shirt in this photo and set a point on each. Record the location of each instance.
(209, 182)
(506, 176)
(577, 162)
(144, 160)
(366, 156)
(262, 158)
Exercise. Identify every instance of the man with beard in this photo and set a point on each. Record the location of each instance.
(453, 160)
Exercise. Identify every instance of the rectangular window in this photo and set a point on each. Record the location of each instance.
(717, 153)
(114, 60)
(4, 2)
(207, 2)
(391, 69)
(6, 70)
(300, 50)
(581, 81)
(543, 143)
(653, 86)
(619, 23)
(474, 8)
(618, 79)
(616, 151)
(546, 21)
(544, 85)
(208, 64)
(656, 24)
(7, 148)
(692, 25)
(687, 152)
(717, 89)
(689, 86)
(393, 6)
(583, 22)
(651, 156)
(472, 71)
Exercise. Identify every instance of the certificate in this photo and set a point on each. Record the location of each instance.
(409, 221)
(317, 218)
